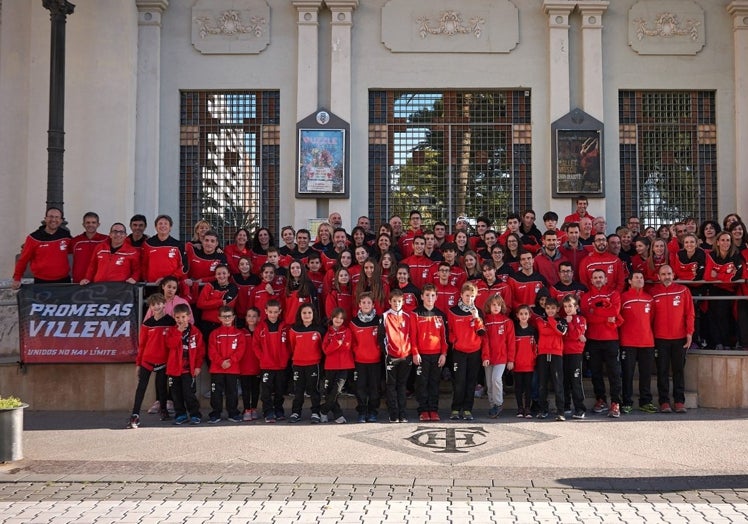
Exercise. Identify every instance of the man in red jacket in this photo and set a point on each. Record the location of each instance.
(673, 330)
(601, 259)
(47, 251)
(84, 245)
(602, 307)
(114, 260)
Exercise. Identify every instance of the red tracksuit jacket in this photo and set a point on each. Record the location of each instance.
(365, 338)
(226, 343)
(674, 313)
(398, 334)
(152, 348)
(270, 344)
(550, 338)
(249, 365)
(106, 266)
(598, 305)
(175, 343)
(163, 258)
(465, 331)
(47, 253)
(338, 348)
(305, 343)
(607, 262)
(498, 344)
(83, 248)
(431, 331)
(213, 296)
(576, 328)
(525, 349)
(638, 316)
(420, 269)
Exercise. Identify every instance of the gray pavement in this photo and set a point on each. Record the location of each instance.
(84, 467)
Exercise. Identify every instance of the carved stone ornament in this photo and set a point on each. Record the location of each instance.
(439, 26)
(666, 27)
(230, 26)
(450, 24)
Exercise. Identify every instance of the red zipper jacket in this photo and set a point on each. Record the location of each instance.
(163, 258)
(607, 262)
(525, 288)
(689, 268)
(47, 253)
(638, 316)
(431, 331)
(175, 345)
(525, 349)
(398, 334)
(83, 248)
(342, 299)
(152, 348)
(365, 340)
(550, 335)
(305, 343)
(233, 254)
(576, 328)
(465, 331)
(213, 296)
(674, 313)
(338, 348)
(106, 266)
(259, 297)
(411, 297)
(498, 343)
(421, 268)
(270, 344)
(226, 343)
(500, 287)
(724, 270)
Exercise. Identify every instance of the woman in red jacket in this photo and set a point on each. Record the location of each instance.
(723, 265)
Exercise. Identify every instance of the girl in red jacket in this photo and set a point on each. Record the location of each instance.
(522, 362)
(225, 348)
(213, 296)
(305, 342)
(367, 359)
(337, 346)
(249, 368)
(299, 290)
(496, 347)
(574, 340)
(341, 293)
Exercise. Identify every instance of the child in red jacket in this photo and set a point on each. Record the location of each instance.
(550, 361)
(574, 340)
(186, 353)
(431, 341)
(305, 343)
(496, 347)
(249, 368)
(522, 362)
(271, 347)
(338, 362)
(367, 359)
(225, 349)
(152, 357)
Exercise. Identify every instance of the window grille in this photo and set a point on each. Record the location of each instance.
(229, 160)
(449, 154)
(668, 148)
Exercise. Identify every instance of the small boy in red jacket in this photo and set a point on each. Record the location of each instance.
(249, 368)
(550, 361)
(574, 340)
(270, 345)
(152, 357)
(186, 354)
(398, 341)
(225, 349)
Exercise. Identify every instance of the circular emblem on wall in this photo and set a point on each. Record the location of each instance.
(323, 117)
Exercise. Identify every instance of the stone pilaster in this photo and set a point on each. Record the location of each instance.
(592, 56)
(558, 12)
(148, 107)
(739, 11)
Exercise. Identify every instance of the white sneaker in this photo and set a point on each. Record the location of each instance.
(155, 408)
(340, 420)
(324, 419)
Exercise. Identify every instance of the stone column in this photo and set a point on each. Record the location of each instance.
(307, 96)
(592, 56)
(340, 80)
(739, 11)
(558, 12)
(559, 97)
(148, 107)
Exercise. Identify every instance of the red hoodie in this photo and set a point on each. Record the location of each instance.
(498, 344)
(226, 343)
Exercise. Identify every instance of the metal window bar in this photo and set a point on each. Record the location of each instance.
(229, 161)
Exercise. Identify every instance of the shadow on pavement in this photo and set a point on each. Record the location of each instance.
(656, 484)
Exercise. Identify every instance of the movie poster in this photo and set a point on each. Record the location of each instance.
(321, 161)
(578, 155)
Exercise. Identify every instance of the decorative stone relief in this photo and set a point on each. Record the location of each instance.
(666, 27)
(447, 26)
(230, 26)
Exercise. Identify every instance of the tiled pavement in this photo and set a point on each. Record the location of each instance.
(82, 467)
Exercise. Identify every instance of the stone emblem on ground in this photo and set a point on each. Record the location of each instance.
(450, 444)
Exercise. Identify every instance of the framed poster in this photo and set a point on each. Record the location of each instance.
(577, 166)
(322, 161)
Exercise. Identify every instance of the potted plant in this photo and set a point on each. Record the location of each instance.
(11, 428)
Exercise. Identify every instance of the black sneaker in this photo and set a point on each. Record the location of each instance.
(578, 414)
(134, 421)
(542, 414)
(295, 417)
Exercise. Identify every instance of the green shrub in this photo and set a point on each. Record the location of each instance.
(10, 402)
